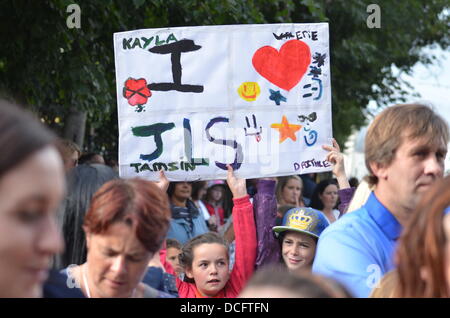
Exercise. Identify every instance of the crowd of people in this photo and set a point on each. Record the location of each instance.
(71, 227)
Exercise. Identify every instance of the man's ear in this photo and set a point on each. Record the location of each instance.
(379, 170)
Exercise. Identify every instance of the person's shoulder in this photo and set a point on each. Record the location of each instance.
(60, 285)
(348, 224)
(351, 218)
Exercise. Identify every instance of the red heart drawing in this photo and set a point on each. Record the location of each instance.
(285, 68)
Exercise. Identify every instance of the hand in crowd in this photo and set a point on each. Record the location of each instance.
(336, 157)
(163, 182)
(237, 185)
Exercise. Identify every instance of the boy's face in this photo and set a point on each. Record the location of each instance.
(210, 268)
(298, 251)
(172, 257)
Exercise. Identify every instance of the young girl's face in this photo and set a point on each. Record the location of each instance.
(216, 193)
(298, 251)
(210, 269)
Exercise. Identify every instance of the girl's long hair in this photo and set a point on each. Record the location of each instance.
(421, 249)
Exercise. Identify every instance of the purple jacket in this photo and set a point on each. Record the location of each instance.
(265, 210)
(345, 195)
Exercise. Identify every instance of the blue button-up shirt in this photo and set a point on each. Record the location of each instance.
(357, 250)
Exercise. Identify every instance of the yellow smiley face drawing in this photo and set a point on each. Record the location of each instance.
(249, 91)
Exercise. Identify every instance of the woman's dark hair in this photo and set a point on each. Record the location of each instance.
(21, 135)
(316, 202)
(196, 187)
(83, 181)
(139, 203)
(187, 253)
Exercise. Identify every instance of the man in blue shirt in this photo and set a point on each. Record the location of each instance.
(405, 148)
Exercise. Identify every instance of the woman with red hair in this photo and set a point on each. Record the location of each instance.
(125, 225)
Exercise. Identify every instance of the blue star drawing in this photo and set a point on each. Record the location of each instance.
(276, 97)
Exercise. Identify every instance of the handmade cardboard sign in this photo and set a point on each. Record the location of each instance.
(193, 99)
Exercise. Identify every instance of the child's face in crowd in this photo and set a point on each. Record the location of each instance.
(298, 250)
(172, 257)
(210, 269)
(216, 193)
(116, 260)
(291, 192)
(329, 196)
(29, 236)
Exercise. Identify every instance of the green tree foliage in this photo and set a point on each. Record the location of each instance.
(58, 70)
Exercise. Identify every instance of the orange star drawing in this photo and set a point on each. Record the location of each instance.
(286, 130)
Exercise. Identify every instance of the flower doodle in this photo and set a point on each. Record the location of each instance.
(137, 92)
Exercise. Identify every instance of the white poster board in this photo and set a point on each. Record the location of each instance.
(193, 99)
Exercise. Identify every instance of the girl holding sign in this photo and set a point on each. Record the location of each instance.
(205, 258)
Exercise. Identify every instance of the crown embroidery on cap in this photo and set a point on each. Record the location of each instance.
(299, 220)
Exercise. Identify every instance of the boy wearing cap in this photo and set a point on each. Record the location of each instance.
(298, 235)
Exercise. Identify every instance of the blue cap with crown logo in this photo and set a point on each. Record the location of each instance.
(304, 220)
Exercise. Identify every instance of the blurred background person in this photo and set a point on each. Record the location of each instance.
(91, 157)
(360, 196)
(198, 195)
(173, 251)
(289, 191)
(214, 198)
(325, 199)
(187, 221)
(70, 153)
(82, 182)
(31, 188)
(276, 282)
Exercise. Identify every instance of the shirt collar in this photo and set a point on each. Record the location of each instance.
(384, 219)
